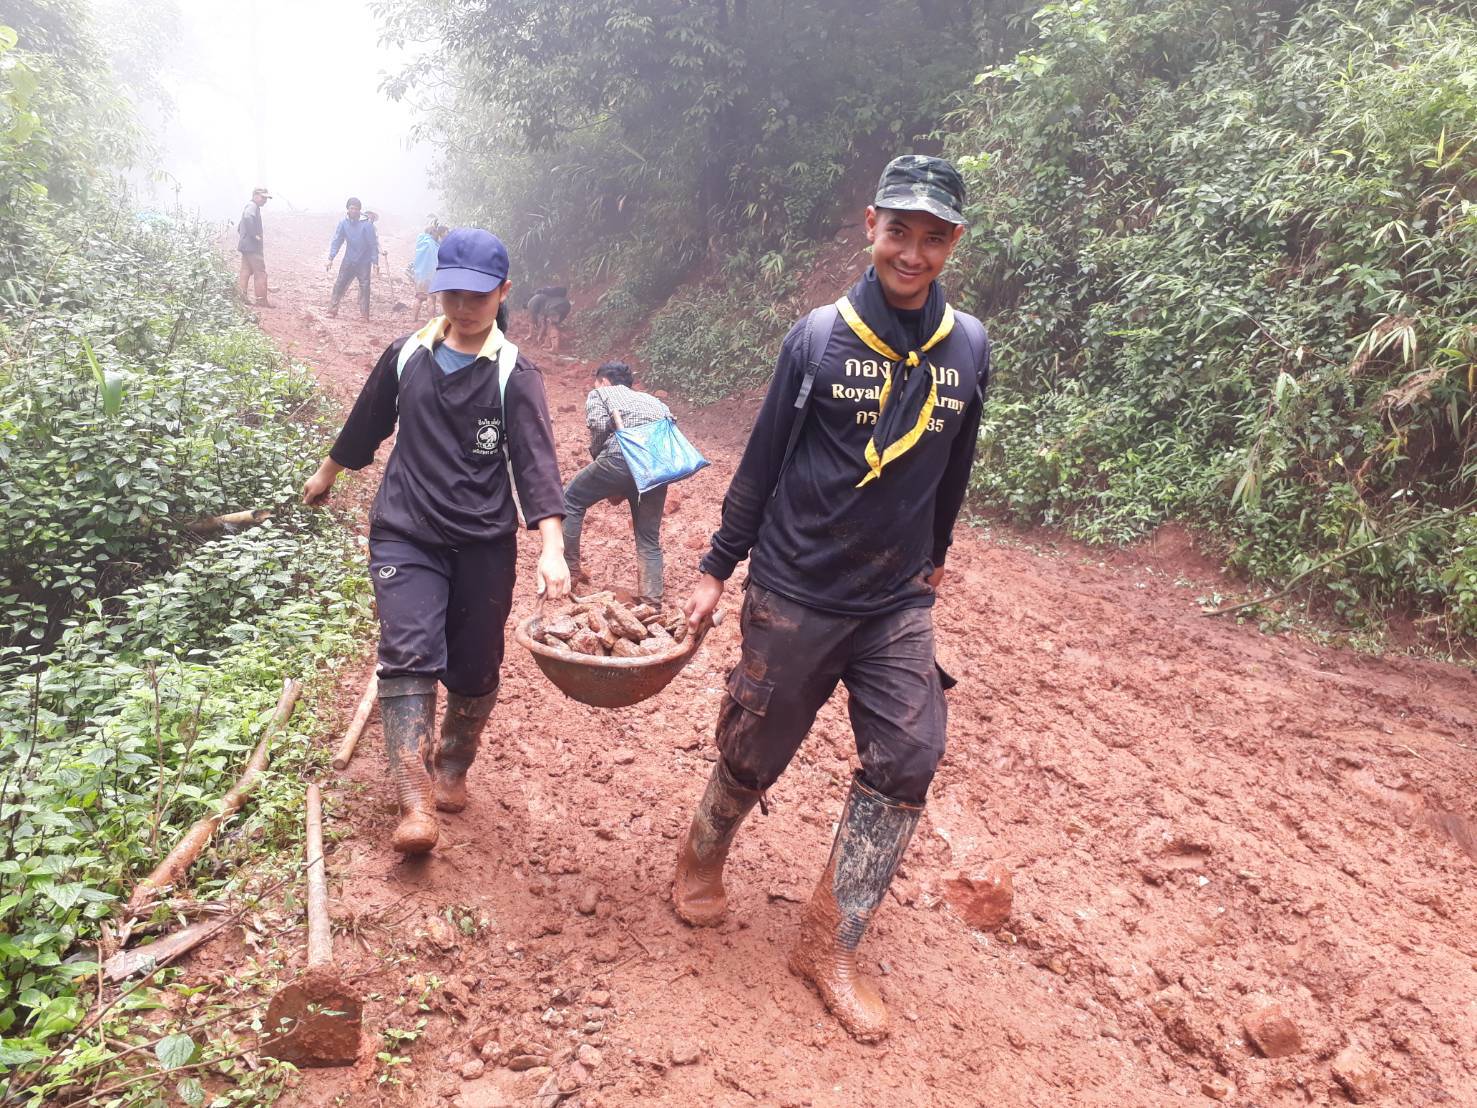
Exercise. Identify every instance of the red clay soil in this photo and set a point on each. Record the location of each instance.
(1224, 846)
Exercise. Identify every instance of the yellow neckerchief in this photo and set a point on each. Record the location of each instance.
(437, 330)
(897, 449)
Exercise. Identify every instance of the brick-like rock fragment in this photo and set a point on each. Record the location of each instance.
(585, 641)
(685, 1053)
(1357, 1075)
(624, 623)
(1217, 1087)
(1272, 1031)
(983, 898)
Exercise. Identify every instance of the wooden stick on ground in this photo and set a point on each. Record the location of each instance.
(173, 868)
(345, 752)
(231, 521)
(320, 935)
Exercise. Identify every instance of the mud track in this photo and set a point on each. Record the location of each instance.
(1201, 821)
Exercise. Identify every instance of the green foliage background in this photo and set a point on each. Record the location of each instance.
(1227, 250)
(630, 134)
(138, 662)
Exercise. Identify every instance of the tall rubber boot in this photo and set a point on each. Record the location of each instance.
(461, 728)
(870, 841)
(697, 891)
(408, 717)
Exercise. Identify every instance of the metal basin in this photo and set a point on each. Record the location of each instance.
(610, 682)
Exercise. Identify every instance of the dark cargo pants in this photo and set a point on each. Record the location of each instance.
(347, 275)
(442, 610)
(793, 657)
(605, 477)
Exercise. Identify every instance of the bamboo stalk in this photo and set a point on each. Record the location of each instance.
(1292, 585)
(345, 753)
(187, 850)
(320, 934)
(228, 522)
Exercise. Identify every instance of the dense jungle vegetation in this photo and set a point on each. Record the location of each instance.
(1226, 249)
(138, 661)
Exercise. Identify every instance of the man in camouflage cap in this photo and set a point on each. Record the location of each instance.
(845, 503)
(919, 183)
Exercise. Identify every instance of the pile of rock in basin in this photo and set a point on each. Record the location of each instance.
(600, 626)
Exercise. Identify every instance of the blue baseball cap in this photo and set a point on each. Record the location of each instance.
(470, 260)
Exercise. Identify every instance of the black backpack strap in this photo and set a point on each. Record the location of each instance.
(820, 321)
(979, 348)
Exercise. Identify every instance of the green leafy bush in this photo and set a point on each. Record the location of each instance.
(138, 661)
(1227, 255)
(621, 120)
(134, 401)
(717, 337)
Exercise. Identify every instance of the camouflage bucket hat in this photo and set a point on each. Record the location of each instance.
(919, 183)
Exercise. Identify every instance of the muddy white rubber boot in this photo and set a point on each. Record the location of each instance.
(870, 841)
(461, 730)
(408, 717)
(697, 891)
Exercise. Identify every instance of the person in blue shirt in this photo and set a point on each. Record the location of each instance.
(423, 267)
(361, 251)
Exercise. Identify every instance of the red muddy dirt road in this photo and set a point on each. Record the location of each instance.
(1202, 823)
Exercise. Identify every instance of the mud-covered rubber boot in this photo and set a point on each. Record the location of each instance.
(697, 891)
(870, 841)
(408, 717)
(461, 730)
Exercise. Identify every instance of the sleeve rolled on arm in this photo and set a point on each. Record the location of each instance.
(597, 415)
(531, 448)
(759, 468)
(372, 419)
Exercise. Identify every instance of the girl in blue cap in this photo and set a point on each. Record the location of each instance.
(473, 420)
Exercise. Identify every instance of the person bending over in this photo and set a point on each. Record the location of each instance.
(608, 478)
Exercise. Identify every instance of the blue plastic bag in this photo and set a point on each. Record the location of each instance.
(657, 454)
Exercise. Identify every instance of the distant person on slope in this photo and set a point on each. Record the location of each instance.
(374, 221)
(250, 245)
(548, 307)
(361, 251)
(844, 503)
(608, 478)
(442, 533)
(423, 266)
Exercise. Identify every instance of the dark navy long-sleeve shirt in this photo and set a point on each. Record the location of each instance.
(446, 482)
(814, 536)
(249, 230)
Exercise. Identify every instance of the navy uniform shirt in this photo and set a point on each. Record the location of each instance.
(446, 482)
(817, 538)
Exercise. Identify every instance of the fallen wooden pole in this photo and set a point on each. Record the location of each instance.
(231, 521)
(169, 872)
(320, 934)
(345, 753)
(126, 963)
(315, 1021)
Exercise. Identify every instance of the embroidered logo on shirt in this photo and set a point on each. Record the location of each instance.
(489, 436)
(386, 572)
